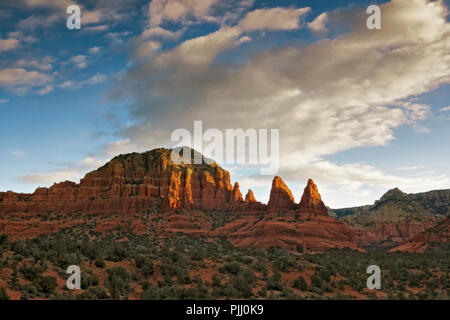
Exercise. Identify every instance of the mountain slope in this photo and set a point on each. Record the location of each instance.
(393, 219)
(434, 237)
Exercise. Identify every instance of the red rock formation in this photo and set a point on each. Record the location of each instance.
(307, 228)
(305, 234)
(236, 195)
(389, 234)
(433, 237)
(250, 197)
(281, 197)
(132, 184)
(311, 200)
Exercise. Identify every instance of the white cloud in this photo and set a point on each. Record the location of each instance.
(71, 172)
(3, 101)
(117, 38)
(326, 97)
(119, 147)
(178, 10)
(445, 109)
(319, 23)
(95, 79)
(94, 50)
(410, 168)
(8, 44)
(79, 61)
(56, 4)
(47, 89)
(158, 32)
(43, 64)
(273, 19)
(11, 77)
(98, 28)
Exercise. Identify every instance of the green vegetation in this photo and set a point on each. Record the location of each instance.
(189, 268)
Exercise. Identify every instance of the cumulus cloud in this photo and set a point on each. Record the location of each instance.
(95, 79)
(43, 64)
(176, 10)
(326, 97)
(79, 61)
(8, 44)
(94, 50)
(14, 77)
(273, 19)
(71, 171)
(45, 90)
(319, 23)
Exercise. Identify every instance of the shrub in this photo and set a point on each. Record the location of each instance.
(3, 294)
(46, 284)
(300, 284)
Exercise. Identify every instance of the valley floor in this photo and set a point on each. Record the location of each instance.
(124, 266)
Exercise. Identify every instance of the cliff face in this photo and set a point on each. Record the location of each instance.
(434, 237)
(130, 183)
(305, 227)
(194, 199)
(311, 200)
(393, 219)
(281, 197)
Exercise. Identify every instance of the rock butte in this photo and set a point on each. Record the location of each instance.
(133, 183)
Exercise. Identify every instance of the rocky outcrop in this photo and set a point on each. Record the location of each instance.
(305, 228)
(196, 199)
(311, 200)
(250, 197)
(434, 237)
(392, 220)
(130, 183)
(281, 197)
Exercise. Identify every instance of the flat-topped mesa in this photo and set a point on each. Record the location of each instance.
(311, 200)
(281, 197)
(134, 182)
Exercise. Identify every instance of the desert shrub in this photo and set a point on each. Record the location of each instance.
(145, 264)
(275, 283)
(99, 263)
(300, 284)
(93, 293)
(46, 284)
(118, 252)
(88, 280)
(3, 294)
(118, 282)
(151, 293)
(231, 267)
(31, 272)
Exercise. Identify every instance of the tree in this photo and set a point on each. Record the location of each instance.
(3, 294)
(300, 284)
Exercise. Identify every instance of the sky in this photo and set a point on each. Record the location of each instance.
(359, 111)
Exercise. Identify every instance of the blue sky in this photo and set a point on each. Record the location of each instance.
(368, 111)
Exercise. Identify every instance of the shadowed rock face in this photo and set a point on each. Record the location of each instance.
(433, 237)
(393, 219)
